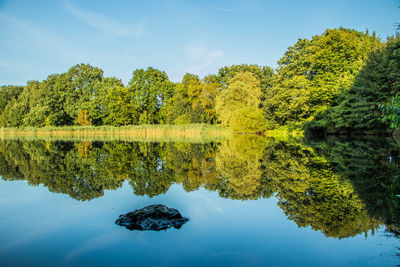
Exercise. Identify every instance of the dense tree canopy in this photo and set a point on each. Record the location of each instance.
(150, 90)
(357, 109)
(313, 72)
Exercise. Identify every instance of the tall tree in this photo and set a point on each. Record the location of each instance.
(313, 72)
(265, 75)
(120, 109)
(243, 91)
(80, 88)
(8, 97)
(103, 97)
(357, 109)
(150, 90)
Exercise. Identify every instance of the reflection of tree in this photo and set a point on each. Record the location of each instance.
(193, 164)
(9, 169)
(311, 194)
(84, 170)
(150, 175)
(372, 166)
(83, 148)
(239, 164)
(59, 167)
(342, 188)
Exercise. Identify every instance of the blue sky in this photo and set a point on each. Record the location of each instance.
(38, 38)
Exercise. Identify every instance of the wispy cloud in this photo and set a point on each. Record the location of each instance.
(57, 46)
(195, 50)
(210, 58)
(223, 9)
(236, 6)
(106, 24)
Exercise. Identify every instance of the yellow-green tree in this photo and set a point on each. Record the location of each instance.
(243, 91)
(83, 118)
(238, 162)
(249, 119)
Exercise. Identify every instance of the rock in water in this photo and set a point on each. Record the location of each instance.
(154, 217)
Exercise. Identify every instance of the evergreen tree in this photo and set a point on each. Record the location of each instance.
(357, 109)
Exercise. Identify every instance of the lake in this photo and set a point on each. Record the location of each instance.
(251, 201)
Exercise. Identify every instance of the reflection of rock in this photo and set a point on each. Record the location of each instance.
(154, 217)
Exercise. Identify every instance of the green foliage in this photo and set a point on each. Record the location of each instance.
(248, 119)
(313, 86)
(104, 102)
(391, 112)
(7, 93)
(120, 109)
(194, 100)
(150, 91)
(357, 109)
(79, 88)
(179, 106)
(243, 91)
(8, 97)
(312, 73)
(265, 75)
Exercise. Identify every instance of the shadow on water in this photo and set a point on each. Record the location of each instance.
(341, 187)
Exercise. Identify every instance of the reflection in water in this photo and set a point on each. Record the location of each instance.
(312, 194)
(341, 188)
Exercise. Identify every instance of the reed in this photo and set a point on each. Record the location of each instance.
(199, 133)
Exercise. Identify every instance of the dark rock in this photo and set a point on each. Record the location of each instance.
(154, 217)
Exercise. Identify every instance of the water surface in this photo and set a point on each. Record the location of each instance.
(251, 201)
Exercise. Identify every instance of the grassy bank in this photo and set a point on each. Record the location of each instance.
(153, 133)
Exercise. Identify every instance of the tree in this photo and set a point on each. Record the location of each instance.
(150, 91)
(194, 100)
(7, 93)
(83, 118)
(120, 109)
(8, 97)
(205, 100)
(248, 119)
(103, 99)
(357, 109)
(312, 73)
(53, 90)
(242, 91)
(79, 87)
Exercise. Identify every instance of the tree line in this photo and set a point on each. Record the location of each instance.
(334, 82)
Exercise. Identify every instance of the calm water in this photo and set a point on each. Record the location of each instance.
(251, 201)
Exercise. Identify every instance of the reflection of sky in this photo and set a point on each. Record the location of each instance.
(43, 228)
